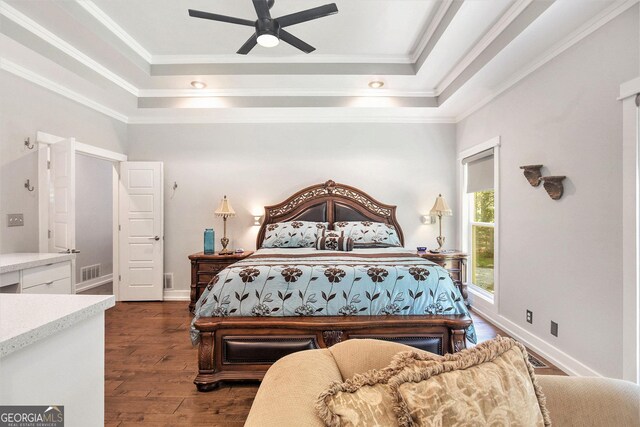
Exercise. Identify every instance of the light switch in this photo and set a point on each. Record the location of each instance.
(15, 220)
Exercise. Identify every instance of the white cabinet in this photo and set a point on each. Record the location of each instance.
(36, 274)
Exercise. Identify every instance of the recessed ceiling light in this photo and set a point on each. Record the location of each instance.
(198, 84)
(376, 84)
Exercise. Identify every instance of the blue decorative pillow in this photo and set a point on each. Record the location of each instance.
(293, 234)
(369, 233)
(334, 241)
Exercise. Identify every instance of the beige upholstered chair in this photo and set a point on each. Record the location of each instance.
(291, 386)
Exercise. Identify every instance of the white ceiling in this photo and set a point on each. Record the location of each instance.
(439, 59)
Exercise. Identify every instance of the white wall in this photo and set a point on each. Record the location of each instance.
(25, 109)
(562, 259)
(94, 214)
(261, 164)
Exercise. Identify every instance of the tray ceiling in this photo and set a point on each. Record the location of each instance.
(438, 59)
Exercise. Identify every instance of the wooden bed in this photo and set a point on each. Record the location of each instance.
(243, 348)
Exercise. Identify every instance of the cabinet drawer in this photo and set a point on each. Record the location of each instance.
(212, 266)
(10, 278)
(46, 273)
(60, 286)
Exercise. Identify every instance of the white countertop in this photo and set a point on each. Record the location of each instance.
(19, 261)
(25, 319)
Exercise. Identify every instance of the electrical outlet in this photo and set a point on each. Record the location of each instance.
(15, 220)
(529, 316)
(554, 328)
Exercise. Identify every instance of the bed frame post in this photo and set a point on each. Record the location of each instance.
(458, 340)
(206, 362)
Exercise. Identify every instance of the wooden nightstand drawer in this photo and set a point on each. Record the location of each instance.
(205, 267)
(213, 266)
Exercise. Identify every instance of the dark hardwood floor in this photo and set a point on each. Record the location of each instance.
(150, 366)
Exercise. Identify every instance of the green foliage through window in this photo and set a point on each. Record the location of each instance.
(484, 203)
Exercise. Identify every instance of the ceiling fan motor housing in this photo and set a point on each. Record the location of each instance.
(268, 26)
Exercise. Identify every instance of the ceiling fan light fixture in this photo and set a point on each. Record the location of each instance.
(376, 84)
(196, 84)
(268, 40)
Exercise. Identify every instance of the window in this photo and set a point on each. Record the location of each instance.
(482, 239)
(479, 223)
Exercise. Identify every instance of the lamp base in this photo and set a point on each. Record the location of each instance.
(440, 240)
(225, 241)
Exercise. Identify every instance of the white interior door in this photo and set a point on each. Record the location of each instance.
(141, 231)
(63, 189)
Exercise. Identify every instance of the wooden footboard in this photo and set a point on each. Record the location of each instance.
(243, 348)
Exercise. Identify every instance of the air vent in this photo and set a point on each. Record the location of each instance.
(90, 272)
(168, 280)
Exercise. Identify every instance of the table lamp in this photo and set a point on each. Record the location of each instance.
(440, 208)
(225, 211)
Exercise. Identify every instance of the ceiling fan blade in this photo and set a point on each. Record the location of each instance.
(262, 9)
(295, 42)
(248, 45)
(221, 18)
(307, 15)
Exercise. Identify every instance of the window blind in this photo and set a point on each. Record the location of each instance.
(479, 171)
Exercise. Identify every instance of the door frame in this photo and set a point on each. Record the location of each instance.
(45, 139)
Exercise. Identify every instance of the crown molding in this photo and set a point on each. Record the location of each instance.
(430, 30)
(585, 30)
(39, 80)
(55, 41)
(204, 93)
(313, 117)
(290, 59)
(507, 18)
(116, 29)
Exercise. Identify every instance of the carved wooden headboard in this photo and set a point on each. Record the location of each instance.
(329, 202)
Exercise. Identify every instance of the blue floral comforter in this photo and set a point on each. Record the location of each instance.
(309, 282)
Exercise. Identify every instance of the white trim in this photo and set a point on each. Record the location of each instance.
(339, 116)
(431, 29)
(630, 241)
(257, 92)
(29, 75)
(89, 150)
(585, 30)
(505, 20)
(94, 283)
(554, 355)
(43, 198)
(116, 29)
(55, 41)
(292, 59)
(492, 143)
(489, 303)
(177, 295)
(115, 233)
(630, 88)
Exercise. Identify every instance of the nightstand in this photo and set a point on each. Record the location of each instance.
(456, 264)
(205, 266)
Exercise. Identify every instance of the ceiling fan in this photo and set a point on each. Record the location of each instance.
(269, 31)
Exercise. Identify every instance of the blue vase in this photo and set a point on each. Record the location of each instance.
(209, 241)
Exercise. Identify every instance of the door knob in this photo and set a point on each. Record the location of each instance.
(156, 238)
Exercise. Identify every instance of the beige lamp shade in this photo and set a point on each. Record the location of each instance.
(225, 209)
(440, 207)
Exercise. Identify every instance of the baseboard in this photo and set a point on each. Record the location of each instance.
(177, 295)
(94, 283)
(559, 358)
